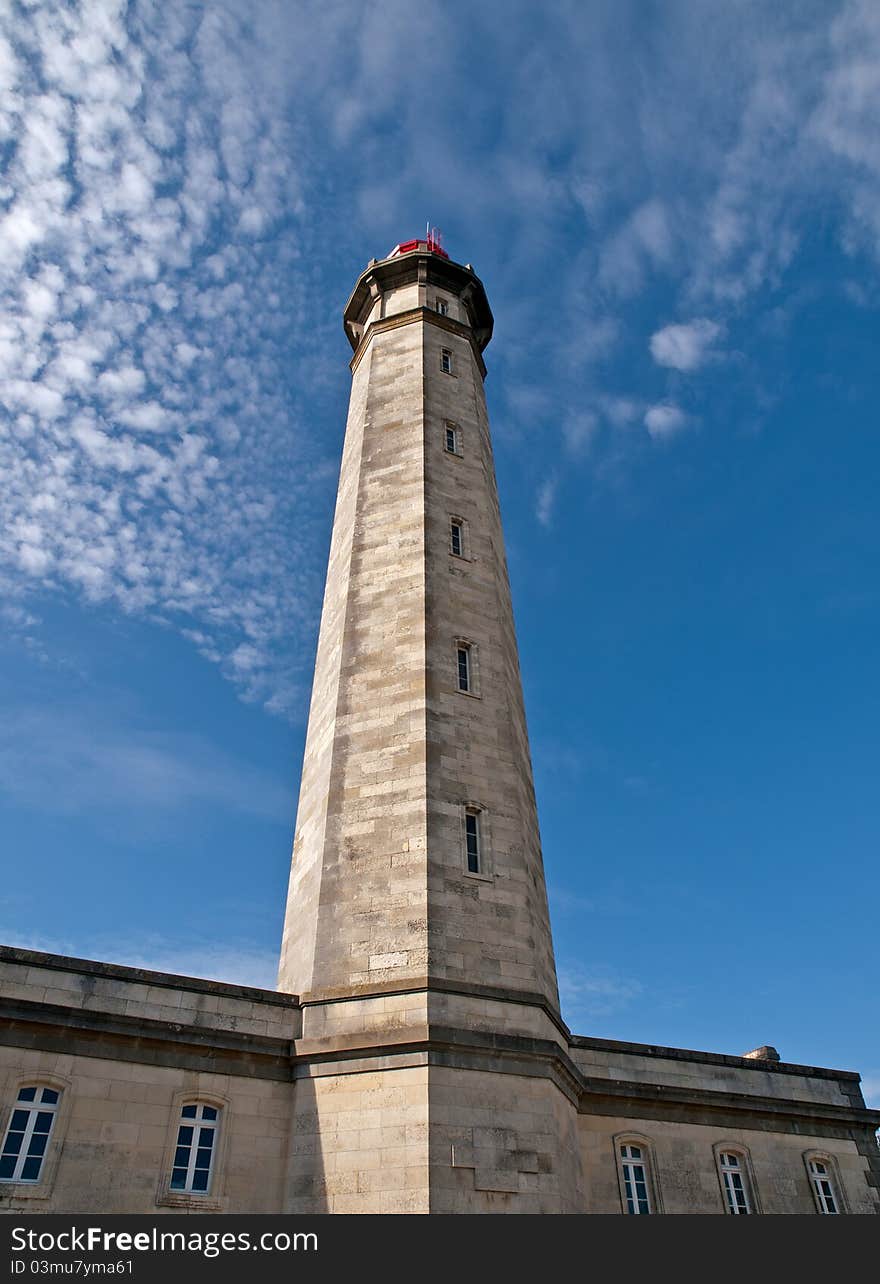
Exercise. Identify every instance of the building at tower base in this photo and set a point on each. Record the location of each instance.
(413, 1115)
(413, 1058)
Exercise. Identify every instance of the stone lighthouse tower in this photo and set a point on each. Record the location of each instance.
(417, 931)
(413, 1058)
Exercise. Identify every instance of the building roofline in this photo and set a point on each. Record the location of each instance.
(171, 980)
(121, 972)
(711, 1058)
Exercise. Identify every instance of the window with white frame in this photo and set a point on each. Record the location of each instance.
(473, 841)
(464, 667)
(634, 1174)
(446, 361)
(27, 1137)
(452, 438)
(196, 1148)
(456, 536)
(735, 1181)
(824, 1188)
(441, 306)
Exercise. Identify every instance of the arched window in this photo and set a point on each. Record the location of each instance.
(824, 1182)
(27, 1136)
(636, 1171)
(196, 1148)
(736, 1180)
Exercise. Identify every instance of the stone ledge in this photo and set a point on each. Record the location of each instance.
(711, 1058)
(665, 1101)
(439, 985)
(121, 972)
(74, 1031)
(94, 1033)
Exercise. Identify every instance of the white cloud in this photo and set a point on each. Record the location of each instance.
(125, 382)
(684, 347)
(546, 500)
(147, 407)
(665, 420)
(158, 217)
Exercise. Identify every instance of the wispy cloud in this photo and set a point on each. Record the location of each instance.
(162, 252)
(76, 760)
(586, 993)
(238, 962)
(145, 215)
(564, 901)
(545, 500)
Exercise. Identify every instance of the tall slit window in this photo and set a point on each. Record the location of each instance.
(633, 1166)
(472, 842)
(446, 361)
(456, 537)
(823, 1186)
(27, 1137)
(735, 1182)
(452, 439)
(195, 1150)
(465, 676)
(442, 307)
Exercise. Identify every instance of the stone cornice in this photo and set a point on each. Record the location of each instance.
(94, 1033)
(426, 268)
(738, 1109)
(516, 1054)
(711, 1058)
(407, 318)
(437, 985)
(142, 976)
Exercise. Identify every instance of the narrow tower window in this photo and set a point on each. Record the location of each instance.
(472, 844)
(442, 307)
(463, 654)
(456, 536)
(823, 1186)
(453, 439)
(446, 361)
(734, 1181)
(633, 1166)
(30, 1127)
(196, 1144)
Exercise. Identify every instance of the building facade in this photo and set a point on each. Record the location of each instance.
(413, 1058)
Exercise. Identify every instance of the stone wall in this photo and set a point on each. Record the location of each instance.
(126, 1048)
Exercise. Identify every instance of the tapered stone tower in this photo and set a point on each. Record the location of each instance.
(417, 930)
(415, 1060)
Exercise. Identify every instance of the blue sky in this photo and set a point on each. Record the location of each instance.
(675, 209)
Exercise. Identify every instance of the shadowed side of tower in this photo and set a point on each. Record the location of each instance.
(417, 930)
